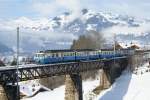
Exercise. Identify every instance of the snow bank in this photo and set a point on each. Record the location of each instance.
(129, 87)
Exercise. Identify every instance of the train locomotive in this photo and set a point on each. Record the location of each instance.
(59, 56)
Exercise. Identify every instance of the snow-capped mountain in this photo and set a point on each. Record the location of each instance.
(89, 20)
(60, 31)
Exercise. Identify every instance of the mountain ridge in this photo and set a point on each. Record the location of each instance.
(60, 31)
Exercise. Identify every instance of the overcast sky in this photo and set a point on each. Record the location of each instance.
(49, 8)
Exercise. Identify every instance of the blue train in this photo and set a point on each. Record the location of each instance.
(58, 56)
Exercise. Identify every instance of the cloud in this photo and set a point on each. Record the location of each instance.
(73, 5)
(45, 8)
(52, 7)
(118, 29)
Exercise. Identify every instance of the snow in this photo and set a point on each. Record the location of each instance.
(91, 27)
(29, 88)
(129, 86)
(59, 93)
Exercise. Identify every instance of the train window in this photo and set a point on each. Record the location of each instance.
(37, 55)
(73, 53)
(53, 54)
(78, 53)
(65, 54)
(86, 54)
(107, 52)
(82, 53)
(97, 52)
(94, 52)
(48, 54)
(56, 55)
(110, 52)
(103, 52)
(116, 51)
(61, 54)
(68, 54)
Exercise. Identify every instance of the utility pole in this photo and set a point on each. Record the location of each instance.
(114, 46)
(18, 92)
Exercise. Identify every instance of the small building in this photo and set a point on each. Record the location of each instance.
(118, 46)
(134, 46)
(129, 45)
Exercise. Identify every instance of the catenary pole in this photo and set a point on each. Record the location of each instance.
(18, 96)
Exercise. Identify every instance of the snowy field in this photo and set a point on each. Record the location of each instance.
(129, 86)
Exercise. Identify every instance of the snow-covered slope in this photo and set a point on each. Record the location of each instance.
(129, 86)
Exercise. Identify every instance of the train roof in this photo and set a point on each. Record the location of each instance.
(78, 50)
(116, 49)
(66, 50)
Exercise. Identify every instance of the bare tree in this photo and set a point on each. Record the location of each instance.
(91, 40)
